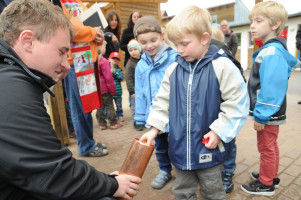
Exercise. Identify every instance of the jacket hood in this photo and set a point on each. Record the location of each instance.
(289, 58)
(212, 53)
(158, 56)
(9, 56)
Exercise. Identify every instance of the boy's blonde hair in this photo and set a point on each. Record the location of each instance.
(273, 11)
(101, 48)
(39, 16)
(191, 20)
(217, 34)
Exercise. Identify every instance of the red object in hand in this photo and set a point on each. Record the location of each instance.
(205, 141)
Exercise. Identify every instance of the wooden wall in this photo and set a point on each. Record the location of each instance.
(223, 12)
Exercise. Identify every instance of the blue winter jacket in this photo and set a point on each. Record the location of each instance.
(148, 77)
(196, 98)
(268, 82)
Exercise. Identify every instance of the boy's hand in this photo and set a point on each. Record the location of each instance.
(258, 126)
(133, 96)
(149, 136)
(113, 70)
(128, 186)
(213, 140)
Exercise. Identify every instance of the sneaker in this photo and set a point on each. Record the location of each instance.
(299, 102)
(227, 182)
(72, 135)
(98, 152)
(257, 188)
(276, 181)
(115, 126)
(121, 119)
(138, 127)
(103, 127)
(161, 179)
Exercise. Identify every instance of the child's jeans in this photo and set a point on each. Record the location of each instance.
(119, 110)
(210, 181)
(230, 163)
(269, 153)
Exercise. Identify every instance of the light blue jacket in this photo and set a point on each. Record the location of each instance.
(148, 76)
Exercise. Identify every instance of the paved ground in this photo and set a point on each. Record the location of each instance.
(119, 142)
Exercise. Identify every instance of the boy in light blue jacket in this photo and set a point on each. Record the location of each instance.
(156, 57)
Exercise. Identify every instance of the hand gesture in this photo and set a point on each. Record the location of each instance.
(99, 35)
(149, 136)
(114, 38)
(128, 186)
(213, 140)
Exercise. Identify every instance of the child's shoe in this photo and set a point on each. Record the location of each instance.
(227, 182)
(121, 119)
(103, 127)
(115, 126)
(72, 135)
(276, 181)
(161, 180)
(257, 188)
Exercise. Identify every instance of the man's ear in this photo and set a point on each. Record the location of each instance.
(205, 38)
(26, 39)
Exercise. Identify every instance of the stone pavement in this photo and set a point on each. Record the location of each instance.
(119, 142)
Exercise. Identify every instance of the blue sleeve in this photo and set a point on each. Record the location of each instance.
(140, 100)
(274, 75)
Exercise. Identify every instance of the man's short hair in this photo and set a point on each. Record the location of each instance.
(273, 11)
(146, 24)
(39, 16)
(191, 20)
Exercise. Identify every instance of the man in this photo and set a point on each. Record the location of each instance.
(230, 38)
(35, 38)
(298, 45)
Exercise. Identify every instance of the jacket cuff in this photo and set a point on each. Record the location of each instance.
(260, 120)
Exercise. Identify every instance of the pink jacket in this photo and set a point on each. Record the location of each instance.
(107, 84)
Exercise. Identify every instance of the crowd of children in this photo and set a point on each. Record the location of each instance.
(204, 85)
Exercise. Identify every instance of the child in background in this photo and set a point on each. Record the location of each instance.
(156, 57)
(107, 86)
(204, 100)
(114, 59)
(135, 52)
(267, 87)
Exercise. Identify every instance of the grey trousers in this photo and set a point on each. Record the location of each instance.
(210, 181)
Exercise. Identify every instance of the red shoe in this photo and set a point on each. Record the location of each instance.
(72, 134)
(115, 126)
(103, 127)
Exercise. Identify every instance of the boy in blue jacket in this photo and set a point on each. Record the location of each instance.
(149, 72)
(267, 87)
(204, 99)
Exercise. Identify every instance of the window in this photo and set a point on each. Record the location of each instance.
(239, 39)
(251, 40)
(214, 19)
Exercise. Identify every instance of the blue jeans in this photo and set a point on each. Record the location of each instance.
(83, 123)
(161, 146)
(229, 164)
(119, 110)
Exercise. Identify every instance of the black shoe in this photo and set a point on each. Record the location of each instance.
(299, 102)
(276, 181)
(257, 188)
(227, 182)
(138, 127)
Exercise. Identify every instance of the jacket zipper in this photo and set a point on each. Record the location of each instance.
(189, 113)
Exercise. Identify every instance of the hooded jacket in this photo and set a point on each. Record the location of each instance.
(268, 82)
(195, 98)
(34, 165)
(148, 77)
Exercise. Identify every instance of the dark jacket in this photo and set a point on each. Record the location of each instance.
(298, 39)
(268, 82)
(127, 35)
(34, 165)
(231, 41)
(130, 75)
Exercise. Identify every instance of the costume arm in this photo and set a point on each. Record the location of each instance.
(83, 33)
(235, 105)
(274, 75)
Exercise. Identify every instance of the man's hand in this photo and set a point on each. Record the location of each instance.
(149, 136)
(258, 126)
(128, 186)
(99, 35)
(213, 140)
(133, 96)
